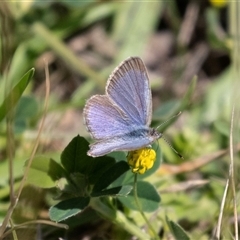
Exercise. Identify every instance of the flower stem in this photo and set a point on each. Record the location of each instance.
(140, 208)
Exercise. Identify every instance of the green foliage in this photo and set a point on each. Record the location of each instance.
(45, 172)
(121, 191)
(84, 177)
(14, 95)
(177, 230)
(110, 175)
(26, 110)
(74, 182)
(74, 159)
(148, 197)
(68, 208)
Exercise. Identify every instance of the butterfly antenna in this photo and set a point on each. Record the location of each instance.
(169, 119)
(172, 147)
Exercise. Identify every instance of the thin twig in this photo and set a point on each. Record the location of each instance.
(231, 176)
(218, 230)
(231, 180)
(26, 224)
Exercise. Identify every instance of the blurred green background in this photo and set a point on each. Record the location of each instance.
(82, 42)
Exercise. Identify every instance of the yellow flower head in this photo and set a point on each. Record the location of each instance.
(218, 3)
(141, 160)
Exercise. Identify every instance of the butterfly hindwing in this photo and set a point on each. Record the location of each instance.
(120, 143)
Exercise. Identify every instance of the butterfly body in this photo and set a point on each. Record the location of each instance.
(120, 119)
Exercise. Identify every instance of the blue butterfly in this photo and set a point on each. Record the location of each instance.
(120, 119)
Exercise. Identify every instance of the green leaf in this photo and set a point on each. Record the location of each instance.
(121, 191)
(87, 216)
(44, 172)
(26, 109)
(74, 158)
(177, 230)
(12, 98)
(4, 171)
(74, 155)
(118, 156)
(147, 195)
(68, 208)
(110, 175)
(97, 166)
(20, 63)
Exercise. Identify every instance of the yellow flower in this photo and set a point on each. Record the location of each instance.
(218, 3)
(141, 160)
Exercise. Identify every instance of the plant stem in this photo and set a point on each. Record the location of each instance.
(140, 208)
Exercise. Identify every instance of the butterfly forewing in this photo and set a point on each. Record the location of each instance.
(128, 86)
(104, 119)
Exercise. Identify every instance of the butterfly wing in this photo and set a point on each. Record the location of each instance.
(119, 120)
(119, 143)
(104, 119)
(128, 86)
